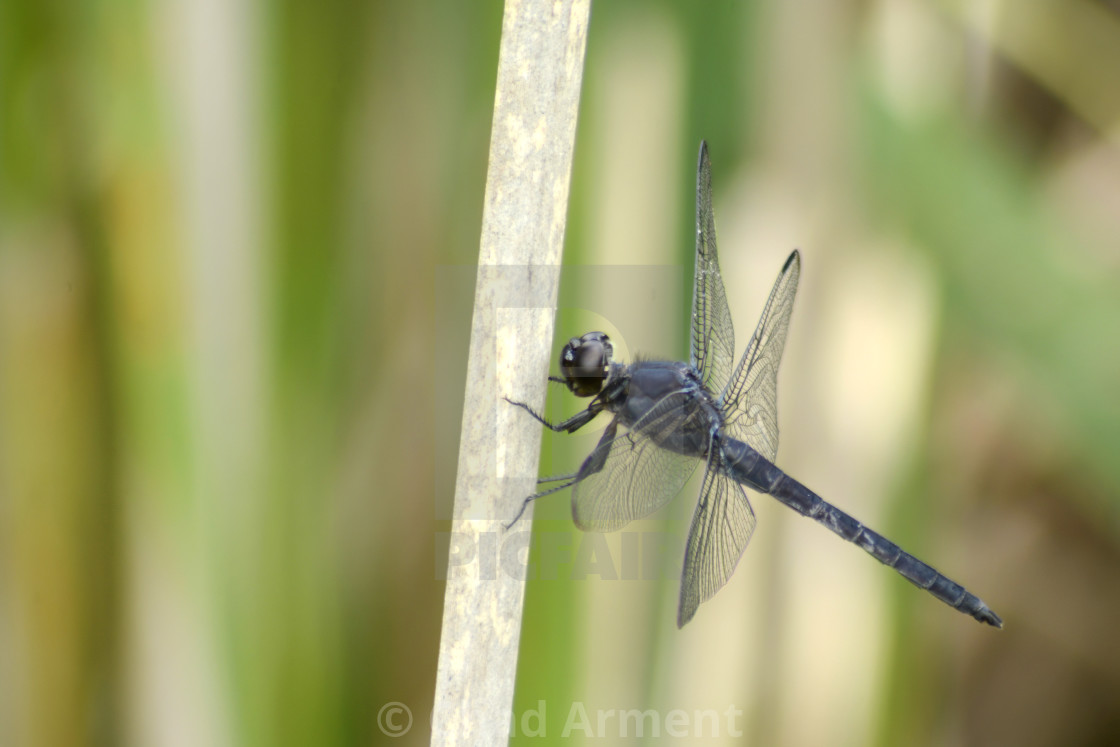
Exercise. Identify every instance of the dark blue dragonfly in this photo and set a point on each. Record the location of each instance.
(669, 416)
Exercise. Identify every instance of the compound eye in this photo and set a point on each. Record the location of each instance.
(585, 361)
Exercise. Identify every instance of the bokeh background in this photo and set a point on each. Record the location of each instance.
(236, 248)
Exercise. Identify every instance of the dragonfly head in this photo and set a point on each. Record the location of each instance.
(585, 362)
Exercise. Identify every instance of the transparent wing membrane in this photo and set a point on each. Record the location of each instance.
(628, 475)
(713, 334)
(721, 528)
(750, 401)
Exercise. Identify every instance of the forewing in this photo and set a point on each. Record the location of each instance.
(750, 401)
(713, 335)
(721, 528)
(629, 476)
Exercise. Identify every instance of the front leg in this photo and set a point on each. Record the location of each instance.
(570, 425)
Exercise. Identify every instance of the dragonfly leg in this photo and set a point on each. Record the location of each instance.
(591, 464)
(570, 425)
(556, 478)
(570, 480)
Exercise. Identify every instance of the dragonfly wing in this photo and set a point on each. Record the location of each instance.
(628, 476)
(713, 335)
(721, 528)
(750, 401)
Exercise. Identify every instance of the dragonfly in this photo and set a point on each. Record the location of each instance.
(670, 416)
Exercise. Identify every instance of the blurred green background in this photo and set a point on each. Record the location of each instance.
(236, 247)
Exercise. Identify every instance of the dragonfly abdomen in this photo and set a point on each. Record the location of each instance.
(922, 575)
(750, 468)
